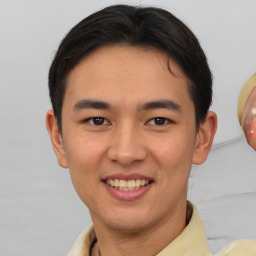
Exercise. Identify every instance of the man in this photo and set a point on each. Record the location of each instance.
(131, 89)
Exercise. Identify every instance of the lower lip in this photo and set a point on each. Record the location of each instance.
(128, 195)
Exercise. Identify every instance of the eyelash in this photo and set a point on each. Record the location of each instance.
(161, 119)
(103, 121)
(99, 119)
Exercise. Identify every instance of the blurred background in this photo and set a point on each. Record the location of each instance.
(40, 213)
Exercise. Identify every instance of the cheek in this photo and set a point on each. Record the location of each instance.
(83, 161)
(83, 151)
(174, 152)
(174, 159)
(84, 157)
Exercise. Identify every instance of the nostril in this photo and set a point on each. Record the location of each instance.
(127, 154)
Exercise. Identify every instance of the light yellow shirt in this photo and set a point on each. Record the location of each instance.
(191, 242)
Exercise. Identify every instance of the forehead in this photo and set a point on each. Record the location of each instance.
(127, 75)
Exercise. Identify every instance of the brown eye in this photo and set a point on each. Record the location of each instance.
(97, 121)
(158, 121)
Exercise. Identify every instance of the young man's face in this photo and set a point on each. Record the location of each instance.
(129, 137)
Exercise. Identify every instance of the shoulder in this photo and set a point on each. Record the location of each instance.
(238, 248)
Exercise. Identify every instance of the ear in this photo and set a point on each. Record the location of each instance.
(56, 138)
(205, 138)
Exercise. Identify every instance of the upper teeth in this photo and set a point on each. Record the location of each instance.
(127, 184)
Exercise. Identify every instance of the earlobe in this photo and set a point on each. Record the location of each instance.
(56, 138)
(205, 138)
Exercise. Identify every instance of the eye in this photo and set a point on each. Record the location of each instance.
(159, 121)
(97, 121)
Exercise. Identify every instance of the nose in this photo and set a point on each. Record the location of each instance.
(127, 146)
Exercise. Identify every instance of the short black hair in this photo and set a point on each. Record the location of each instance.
(135, 26)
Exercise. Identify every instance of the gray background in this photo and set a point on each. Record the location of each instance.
(40, 212)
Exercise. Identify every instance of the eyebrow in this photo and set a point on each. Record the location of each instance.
(167, 104)
(88, 103)
(96, 104)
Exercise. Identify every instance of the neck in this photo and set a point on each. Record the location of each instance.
(149, 241)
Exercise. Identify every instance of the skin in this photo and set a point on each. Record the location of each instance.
(130, 142)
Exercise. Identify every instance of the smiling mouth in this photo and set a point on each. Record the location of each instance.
(127, 185)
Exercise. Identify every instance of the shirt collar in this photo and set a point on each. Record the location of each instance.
(192, 241)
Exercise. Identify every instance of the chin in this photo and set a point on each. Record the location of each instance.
(127, 221)
(133, 226)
